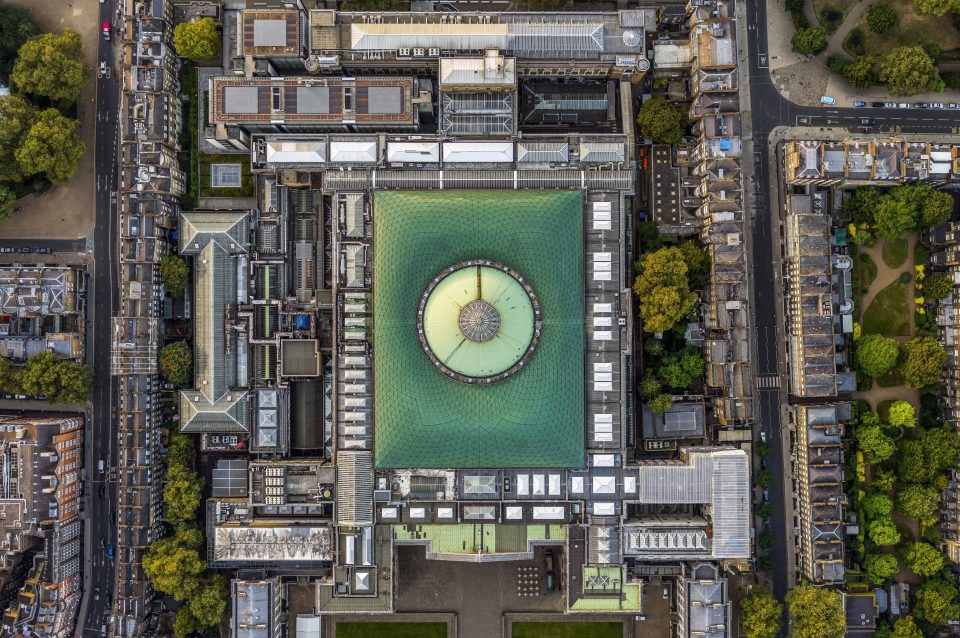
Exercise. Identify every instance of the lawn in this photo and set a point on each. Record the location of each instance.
(391, 630)
(567, 630)
(864, 272)
(831, 13)
(910, 30)
(891, 379)
(246, 178)
(888, 313)
(894, 252)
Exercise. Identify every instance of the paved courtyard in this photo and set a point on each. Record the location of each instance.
(478, 593)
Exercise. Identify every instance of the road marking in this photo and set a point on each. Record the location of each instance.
(768, 382)
(763, 64)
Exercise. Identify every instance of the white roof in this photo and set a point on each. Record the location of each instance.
(548, 513)
(376, 37)
(413, 152)
(314, 152)
(480, 152)
(354, 152)
(487, 71)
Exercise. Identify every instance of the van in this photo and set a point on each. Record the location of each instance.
(100, 466)
(826, 99)
(548, 558)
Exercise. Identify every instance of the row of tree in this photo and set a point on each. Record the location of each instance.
(39, 133)
(47, 375)
(665, 284)
(920, 360)
(893, 213)
(173, 564)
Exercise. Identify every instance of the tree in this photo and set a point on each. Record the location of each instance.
(765, 540)
(176, 363)
(919, 502)
(876, 355)
(210, 601)
(16, 118)
(922, 558)
(172, 568)
(182, 494)
(935, 601)
(906, 628)
(760, 613)
(921, 460)
(197, 40)
(924, 362)
(764, 510)
(698, 264)
(649, 386)
(862, 205)
(7, 199)
(883, 480)
(881, 17)
(60, 380)
(181, 451)
(880, 568)
(51, 66)
(663, 290)
(52, 147)
(860, 73)
(908, 71)
(660, 120)
(809, 41)
(938, 285)
(896, 215)
(9, 377)
(16, 27)
(936, 7)
(761, 448)
(679, 370)
(903, 414)
(661, 403)
(817, 612)
(185, 623)
(764, 477)
(874, 443)
(175, 275)
(877, 506)
(882, 531)
(937, 207)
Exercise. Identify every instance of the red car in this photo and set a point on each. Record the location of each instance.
(106, 30)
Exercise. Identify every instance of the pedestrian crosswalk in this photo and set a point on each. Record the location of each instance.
(768, 381)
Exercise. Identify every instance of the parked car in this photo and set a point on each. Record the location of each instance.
(548, 559)
(106, 31)
(766, 495)
(826, 99)
(877, 105)
(6, 249)
(666, 592)
(548, 580)
(858, 103)
(890, 105)
(102, 543)
(953, 105)
(936, 105)
(903, 105)
(763, 436)
(45, 250)
(922, 105)
(26, 249)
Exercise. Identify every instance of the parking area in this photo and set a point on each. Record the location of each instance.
(656, 609)
(478, 593)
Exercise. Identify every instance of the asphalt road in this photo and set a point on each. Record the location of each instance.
(769, 110)
(101, 434)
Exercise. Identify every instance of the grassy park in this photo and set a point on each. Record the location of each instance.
(567, 630)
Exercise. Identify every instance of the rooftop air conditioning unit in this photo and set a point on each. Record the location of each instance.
(434, 53)
(404, 52)
(418, 53)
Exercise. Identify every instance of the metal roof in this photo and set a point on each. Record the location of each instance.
(307, 152)
(354, 152)
(413, 152)
(354, 487)
(477, 152)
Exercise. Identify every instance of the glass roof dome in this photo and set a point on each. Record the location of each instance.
(478, 321)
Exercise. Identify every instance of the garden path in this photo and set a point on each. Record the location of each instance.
(887, 275)
(835, 41)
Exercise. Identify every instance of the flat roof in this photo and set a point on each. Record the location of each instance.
(534, 418)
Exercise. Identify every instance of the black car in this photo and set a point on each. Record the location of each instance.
(867, 121)
(877, 105)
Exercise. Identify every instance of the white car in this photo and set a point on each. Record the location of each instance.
(936, 105)
(104, 71)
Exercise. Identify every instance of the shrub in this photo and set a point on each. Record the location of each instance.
(837, 64)
(800, 21)
(830, 19)
(795, 6)
(881, 17)
(855, 43)
(809, 41)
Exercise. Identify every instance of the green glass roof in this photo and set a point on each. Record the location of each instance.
(533, 418)
(478, 321)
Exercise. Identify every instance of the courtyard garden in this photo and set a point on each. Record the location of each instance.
(902, 453)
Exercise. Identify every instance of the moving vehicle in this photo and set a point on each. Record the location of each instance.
(96, 593)
(106, 31)
(103, 70)
(100, 466)
(826, 99)
(549, 577)
(867, 121)
(110, 552)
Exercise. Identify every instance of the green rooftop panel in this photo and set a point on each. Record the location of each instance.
(533, 417)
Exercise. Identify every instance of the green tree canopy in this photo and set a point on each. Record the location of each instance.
(918, 501)
(661, 403)
(181, 451)
(816, 612)
(172, 568)
(662, 121)
(908, 70)
(679, 371)
(874, 443)
(936, 7)
(9, 377)
(7, 200)
(182, 493)
(60, 380)
(52, 147)
(663, 290)
(185, 622)
(760, 613)
(935, 601)
(881, 17)
(649, 386)
(883, 480)
(906, 628)
(51, 66)
(922, 459)
(903, 414)
(924, 362)
(16, 118)
(937, 207)
(198, 40)
(809, 41)
(698, 264)
(938, 285)
(862, 205)
(860, 73)
(880, 568)
(210, 600)
(896, 213)
(16, 27)
(877, 505)
(175, 275)
(176, 363)
(882, 531)
(876, 355)
(923, 558)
